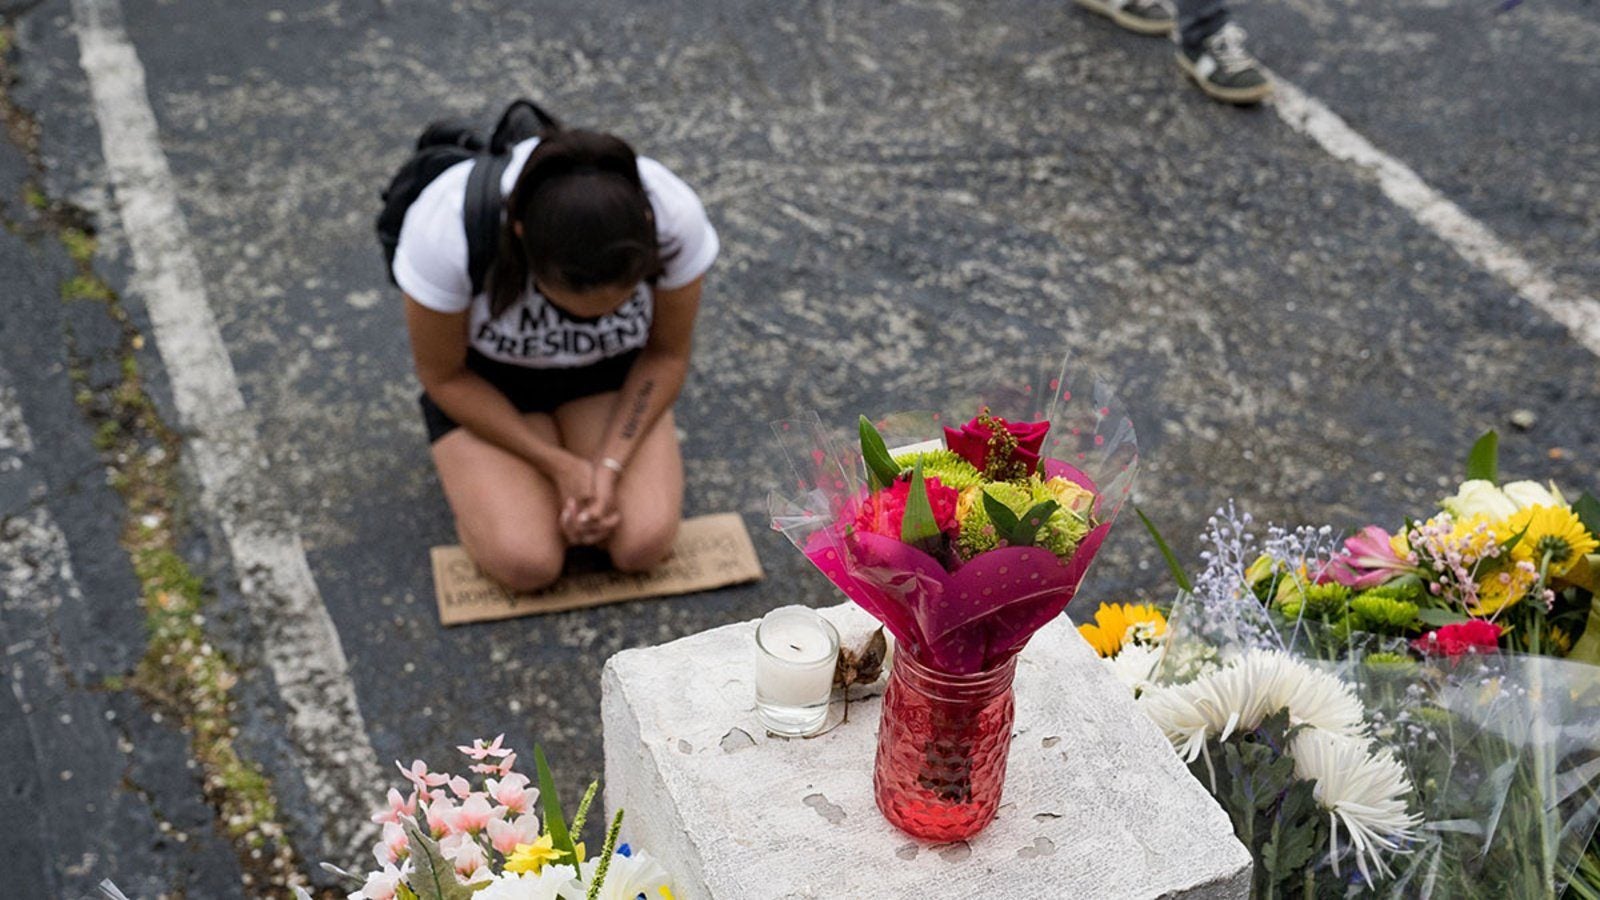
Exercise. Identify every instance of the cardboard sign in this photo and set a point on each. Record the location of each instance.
(711, 552)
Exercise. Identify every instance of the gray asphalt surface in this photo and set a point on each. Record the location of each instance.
(911, 196)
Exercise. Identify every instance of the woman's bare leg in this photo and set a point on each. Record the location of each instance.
(506, 510)
(650, 492)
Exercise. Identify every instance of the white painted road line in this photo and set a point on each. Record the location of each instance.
(1470, 238)
(300, 645)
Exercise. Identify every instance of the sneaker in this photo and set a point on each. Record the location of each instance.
(1139, 16)
(1223, 69)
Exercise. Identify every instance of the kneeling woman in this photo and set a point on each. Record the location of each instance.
(548, 397)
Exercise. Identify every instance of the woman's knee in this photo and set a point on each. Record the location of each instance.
(521, 567)
(643, 548)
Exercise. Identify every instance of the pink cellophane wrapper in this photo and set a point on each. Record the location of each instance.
(979, 615)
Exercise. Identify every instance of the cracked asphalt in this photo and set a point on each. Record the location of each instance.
(911, 197)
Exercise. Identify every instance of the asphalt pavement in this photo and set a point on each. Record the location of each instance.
(912, 196)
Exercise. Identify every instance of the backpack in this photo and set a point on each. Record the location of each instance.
(443, 144)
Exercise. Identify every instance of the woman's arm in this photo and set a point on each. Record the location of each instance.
(652, 386)
(439, 351)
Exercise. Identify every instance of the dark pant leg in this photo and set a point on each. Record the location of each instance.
(1200, 19)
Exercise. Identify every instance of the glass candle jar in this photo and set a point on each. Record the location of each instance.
(796, 653)
(942, 745)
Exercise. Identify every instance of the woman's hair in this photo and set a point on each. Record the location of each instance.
(586, 220)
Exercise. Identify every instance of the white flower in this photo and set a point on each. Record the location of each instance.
(626, 878)
(1361, 790)
(1246, 691)
(1480, 497)
(1531, 493)
(381, 885)
(549, 884)
(1133, 665)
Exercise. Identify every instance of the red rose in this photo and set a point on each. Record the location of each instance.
(997, 447)
(885, 511)
(1472, 636)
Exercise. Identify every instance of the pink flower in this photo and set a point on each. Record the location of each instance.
(465, 854)
(461, 787)
(505, 836)
(380, 885)
(472, 815)
(512, 792)
(504, 767)
(974, 441)
(419, 775)
(479, 750)
(1368, 560)
(885, 511)
(1472, 636)
(398, 806)
(441, 816)
(393, 845)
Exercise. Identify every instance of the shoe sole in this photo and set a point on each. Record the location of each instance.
(1131, 23)
(1237, 96)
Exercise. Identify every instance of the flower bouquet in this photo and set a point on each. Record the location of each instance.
(1447, 767)
(449, 838)
(962, 546)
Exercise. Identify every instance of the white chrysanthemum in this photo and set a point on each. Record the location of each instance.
(1133, 665)
(550, 883)
(1246, 691)
(626, 878)
(1361, 790)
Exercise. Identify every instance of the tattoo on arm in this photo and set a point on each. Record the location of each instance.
(641, 401)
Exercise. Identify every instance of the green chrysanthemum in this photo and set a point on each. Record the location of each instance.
(1381, 612)
(951, 470)
(1059, 534)
(1322, 602)
(1386, 665)
(1405, 590)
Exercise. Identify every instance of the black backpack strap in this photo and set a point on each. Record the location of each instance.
(481, 214)
(522, 119)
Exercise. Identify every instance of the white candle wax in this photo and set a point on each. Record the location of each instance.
(927, 446)
(796, 651)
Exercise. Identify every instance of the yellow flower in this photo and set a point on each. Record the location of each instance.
(1551, 531)
(1504, 588)
(1473, 537)
(1559, 640)
(666, 892)
(965, 500)
(1072, 496)
(1117, 623)
(532, 857)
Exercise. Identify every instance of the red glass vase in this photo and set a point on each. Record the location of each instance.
(942, 745)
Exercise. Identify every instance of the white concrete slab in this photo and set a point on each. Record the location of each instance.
(1096, 803)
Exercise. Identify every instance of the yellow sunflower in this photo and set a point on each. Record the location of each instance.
(1115, 623)
(1552, 532)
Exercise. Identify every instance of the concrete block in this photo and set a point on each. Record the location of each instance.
(1096, 804)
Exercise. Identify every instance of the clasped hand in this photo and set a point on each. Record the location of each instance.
(589, 511)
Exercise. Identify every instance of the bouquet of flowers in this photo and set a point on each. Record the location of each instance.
(962, 545)
(448, 837)
(1444, 766)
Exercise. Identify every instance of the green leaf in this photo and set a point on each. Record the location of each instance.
(881, 470)
(918, 528)
(1438, 617)
(401, 892)
(1005, 521)
(1483, 463)
(1030, 523)
(555, 822)
(1587, 649)
(1173, 566)
(1516, 539)
(1588, 510)
(432, 876)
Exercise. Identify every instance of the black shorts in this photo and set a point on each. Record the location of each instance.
(533, 390)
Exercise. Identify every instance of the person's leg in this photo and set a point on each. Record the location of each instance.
(650, 491)
(1198, 20)
(506, 510)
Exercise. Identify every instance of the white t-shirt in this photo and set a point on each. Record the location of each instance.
(430, 264)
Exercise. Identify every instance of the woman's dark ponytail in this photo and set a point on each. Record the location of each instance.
(586, 220)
